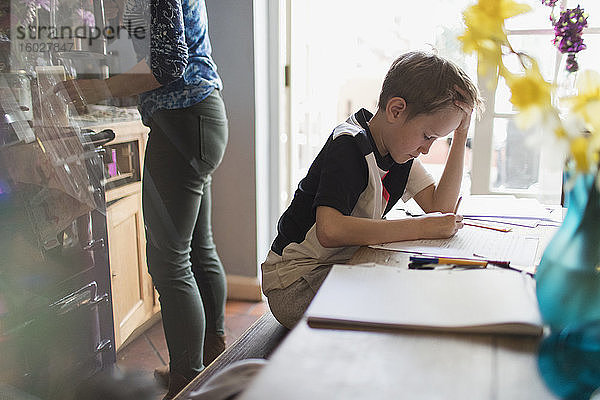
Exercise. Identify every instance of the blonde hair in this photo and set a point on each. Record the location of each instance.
(427, 83)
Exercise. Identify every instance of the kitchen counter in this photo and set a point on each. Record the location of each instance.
(102, 115)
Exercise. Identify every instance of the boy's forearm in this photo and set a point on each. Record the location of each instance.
(341, 230)
(448, 188)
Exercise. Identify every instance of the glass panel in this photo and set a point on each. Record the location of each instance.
(588, 58)
(593, 9)
(515, 159)
(341, 51)
(541, 48)
(537, 18)
(538, 46)
(502, 102)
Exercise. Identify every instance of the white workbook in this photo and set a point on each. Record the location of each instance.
(377, 297)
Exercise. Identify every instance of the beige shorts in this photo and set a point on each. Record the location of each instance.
(289, 304)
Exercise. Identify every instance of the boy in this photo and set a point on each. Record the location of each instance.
(366, 166)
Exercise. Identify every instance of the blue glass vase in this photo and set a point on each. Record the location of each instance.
(568, 277)
(569, 361)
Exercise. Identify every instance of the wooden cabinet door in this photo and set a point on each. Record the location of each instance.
(132, 291)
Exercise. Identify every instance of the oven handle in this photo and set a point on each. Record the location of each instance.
(99, 299)
(86, 296)
(94, 243)
(99, 139)
(104, 345)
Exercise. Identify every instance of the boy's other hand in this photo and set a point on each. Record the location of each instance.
(467, 109)
(440, 225)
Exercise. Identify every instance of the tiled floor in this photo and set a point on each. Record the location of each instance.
(149, 350)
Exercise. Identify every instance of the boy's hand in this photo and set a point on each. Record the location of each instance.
(438, 225)
(463, 128)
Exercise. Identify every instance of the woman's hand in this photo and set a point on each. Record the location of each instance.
(81, 92)
(439, 225)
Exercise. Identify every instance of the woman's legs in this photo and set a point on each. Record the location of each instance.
(171, 201)
(184, 148)
(210, 277)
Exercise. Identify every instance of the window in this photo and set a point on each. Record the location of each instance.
(339, 52)
(507, 159)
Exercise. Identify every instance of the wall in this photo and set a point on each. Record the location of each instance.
(234, 183)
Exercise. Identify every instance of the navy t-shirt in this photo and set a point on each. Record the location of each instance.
(341, 177)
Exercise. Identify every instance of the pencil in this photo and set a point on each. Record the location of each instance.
(457, 204)
(488, 227)
(447, 260)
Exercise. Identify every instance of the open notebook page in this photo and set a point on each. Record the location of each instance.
(518, 248)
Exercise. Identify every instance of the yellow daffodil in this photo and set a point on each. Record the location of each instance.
(530, 89)
(594, 150)
(502, 9)
(587, 102)
(489, 52)
(485, 32)
(560, 132)
(531, 95)
(486, 18)
(580, 147)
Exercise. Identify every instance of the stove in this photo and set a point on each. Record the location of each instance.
(56, 324)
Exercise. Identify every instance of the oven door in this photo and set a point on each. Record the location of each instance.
(54, 350)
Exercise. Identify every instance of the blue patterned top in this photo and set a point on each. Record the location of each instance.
(177, 50)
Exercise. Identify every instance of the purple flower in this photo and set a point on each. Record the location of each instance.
(549, 3)
(87, 18)
(45, 4)
(568, 29)
(572, 65)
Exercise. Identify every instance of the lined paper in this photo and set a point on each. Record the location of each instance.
(518, 248)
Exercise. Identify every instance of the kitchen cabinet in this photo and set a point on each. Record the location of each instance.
(133, 293)
(134, 299)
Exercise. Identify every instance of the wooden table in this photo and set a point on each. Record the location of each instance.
(324, 364)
